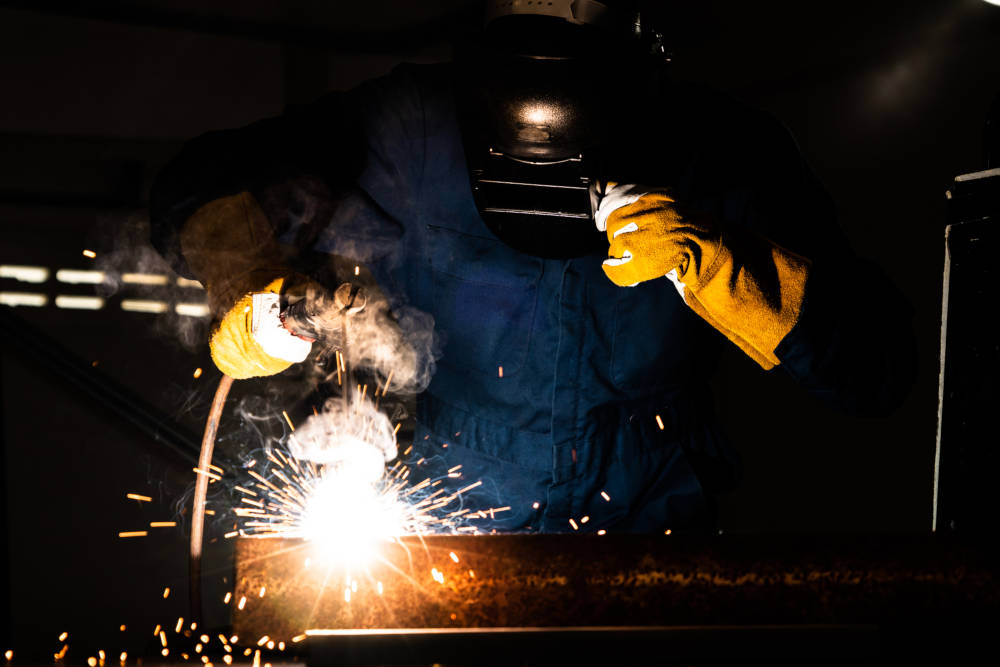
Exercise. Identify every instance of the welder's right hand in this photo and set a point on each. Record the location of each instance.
(231, 249)
(251, 341)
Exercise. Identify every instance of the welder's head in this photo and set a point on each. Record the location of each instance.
(538, 97)
(546, 73)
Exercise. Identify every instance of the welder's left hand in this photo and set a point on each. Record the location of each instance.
(648, 238)
(745, 286)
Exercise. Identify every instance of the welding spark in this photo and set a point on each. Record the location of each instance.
(347, 516)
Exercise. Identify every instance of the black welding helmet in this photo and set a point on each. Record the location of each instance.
(535, 101)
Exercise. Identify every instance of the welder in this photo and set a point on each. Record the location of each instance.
(586, 233)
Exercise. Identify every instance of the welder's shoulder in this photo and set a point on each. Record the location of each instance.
(745, 142)
(407, 84)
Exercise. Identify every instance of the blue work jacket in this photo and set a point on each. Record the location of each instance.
(578, 404)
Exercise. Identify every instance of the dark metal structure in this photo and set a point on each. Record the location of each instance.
(967, 458)
(530, 598)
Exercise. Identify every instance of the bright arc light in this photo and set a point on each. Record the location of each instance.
(140, 306)
(347, 519)
(537, 114)
(79, 302)
(27, 274)
(23, 299)
(77, 277)
(144, 278)
(192, 309)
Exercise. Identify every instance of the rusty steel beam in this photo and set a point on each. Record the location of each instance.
(549, 581)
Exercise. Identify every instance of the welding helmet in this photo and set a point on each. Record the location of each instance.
(535, 109)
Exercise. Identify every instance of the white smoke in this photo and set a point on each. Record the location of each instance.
(123, 249)
(398, 346)
(351, 438)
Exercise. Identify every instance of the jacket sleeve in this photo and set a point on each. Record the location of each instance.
(223, 163)
(853, 344)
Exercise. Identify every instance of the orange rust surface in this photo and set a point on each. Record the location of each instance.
(581, 580)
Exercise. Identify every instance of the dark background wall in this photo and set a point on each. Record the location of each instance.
(887, 100)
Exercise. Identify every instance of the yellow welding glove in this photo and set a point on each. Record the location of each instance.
(230, 247)
(750, 289)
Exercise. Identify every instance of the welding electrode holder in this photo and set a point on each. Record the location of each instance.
(317, 316)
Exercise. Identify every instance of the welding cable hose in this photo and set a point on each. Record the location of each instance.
(201, 494)
(230, 246)
(745, 286)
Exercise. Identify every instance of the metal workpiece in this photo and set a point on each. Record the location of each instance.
(550, 581)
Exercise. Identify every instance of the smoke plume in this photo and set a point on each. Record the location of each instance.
(353, 438)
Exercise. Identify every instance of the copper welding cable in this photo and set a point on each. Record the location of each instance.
(200, 494)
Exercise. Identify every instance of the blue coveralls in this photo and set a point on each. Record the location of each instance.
(571, 425)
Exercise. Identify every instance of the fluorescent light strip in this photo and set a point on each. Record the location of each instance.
(186, 282)
(23, 299)
(25, 274)
(79, 302)
(77, 277)
(138, 306)
(144, 278)
(192, 309)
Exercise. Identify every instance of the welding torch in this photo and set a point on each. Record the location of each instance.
(321, 317)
